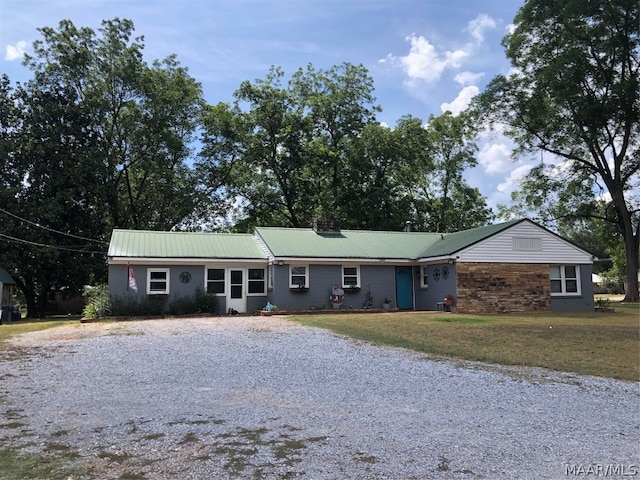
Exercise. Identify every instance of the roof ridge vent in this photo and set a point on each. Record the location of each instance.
(326, 225)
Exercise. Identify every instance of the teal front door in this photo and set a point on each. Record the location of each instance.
(404, 288)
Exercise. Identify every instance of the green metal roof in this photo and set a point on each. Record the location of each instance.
(306, 243)
(297, 243)
(6, 278)
(150, 244)
(449, 243)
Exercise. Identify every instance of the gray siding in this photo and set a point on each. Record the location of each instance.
(119, 284)
(427, 298)
(119, 279)
(581, 303)
(379, 279)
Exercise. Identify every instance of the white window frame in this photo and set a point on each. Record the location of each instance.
(167, 281)
(252, 280)
(357, 275)
(563, 281)
(306, 275)
(424, 277)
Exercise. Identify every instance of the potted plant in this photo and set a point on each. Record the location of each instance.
(449, 302)
(386, 305)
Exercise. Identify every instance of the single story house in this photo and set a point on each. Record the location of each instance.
(508, 267)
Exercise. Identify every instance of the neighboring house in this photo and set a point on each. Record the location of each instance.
(509, 267)
(6, 286)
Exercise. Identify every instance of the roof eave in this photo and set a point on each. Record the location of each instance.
(334, 260)
(181, 260)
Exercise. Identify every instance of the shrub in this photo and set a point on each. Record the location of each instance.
(199, 302)
(98, 304)
(131, 305)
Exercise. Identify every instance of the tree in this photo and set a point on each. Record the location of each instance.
(443, 200)
(277, 155)
(290, 154)
(575, 93)
(338, 103)
(382, 165)
(142, 117)
(57, 242)
(97, 139)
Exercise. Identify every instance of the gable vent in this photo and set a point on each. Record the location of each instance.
(527, 244)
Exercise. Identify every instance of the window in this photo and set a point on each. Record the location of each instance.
(256, 281)
(158, 281)
(350, 277)
(298, 276)
(215, 281)
(424, 278)
(565, 279)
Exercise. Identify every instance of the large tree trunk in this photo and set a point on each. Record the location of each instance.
(632, 246)
(631, 242)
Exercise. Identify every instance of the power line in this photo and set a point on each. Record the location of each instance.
(51, 229)
(9, 238)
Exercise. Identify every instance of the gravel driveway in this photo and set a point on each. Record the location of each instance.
(266, 398)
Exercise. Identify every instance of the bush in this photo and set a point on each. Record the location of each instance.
(199, 302)
(98, 304)
(131, 306)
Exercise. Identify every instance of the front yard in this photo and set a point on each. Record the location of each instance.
(602, 344)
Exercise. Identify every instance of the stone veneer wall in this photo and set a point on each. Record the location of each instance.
(502, 287)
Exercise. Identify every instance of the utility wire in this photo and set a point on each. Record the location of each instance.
(9, 238)
(51, 229)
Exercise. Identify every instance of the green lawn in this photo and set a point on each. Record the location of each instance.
(10, 329)
(603, 344)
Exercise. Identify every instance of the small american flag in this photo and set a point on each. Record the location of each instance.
(132, 279)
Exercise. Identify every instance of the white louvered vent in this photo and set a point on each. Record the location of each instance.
(527, 244)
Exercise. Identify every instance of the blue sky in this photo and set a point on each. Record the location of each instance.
(425, 56)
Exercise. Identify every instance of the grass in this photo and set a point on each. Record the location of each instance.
(10, 329)
(601, 344)
(18, 466)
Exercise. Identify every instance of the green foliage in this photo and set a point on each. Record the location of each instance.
(199, 302)
(99, 303)
(574, 93)
(131, 306)
(152, 305)
(141, 118)
(97, 139)
(290, 154)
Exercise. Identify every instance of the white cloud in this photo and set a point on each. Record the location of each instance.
(511, 182)
(461, 101)
(478, 25)
(468, 78)
(423, 62)
(15, 52)
(426, 63)
(501, 195)
(495, 158)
